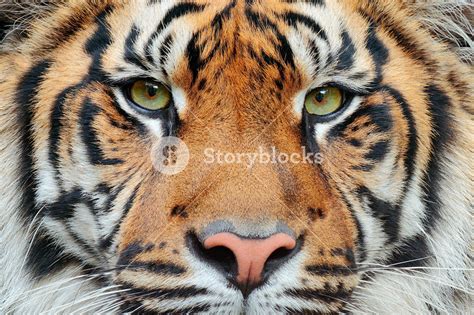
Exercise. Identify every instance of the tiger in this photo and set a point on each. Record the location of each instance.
(100, 99)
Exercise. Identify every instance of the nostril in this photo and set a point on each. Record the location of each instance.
(220, 257)
(280, 256)
(223, 257)
(280, 253)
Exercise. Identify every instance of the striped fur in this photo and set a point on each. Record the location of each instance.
(87, 224)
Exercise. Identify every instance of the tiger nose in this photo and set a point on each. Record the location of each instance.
(251, 255)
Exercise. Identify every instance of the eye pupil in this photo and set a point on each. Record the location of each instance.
(151, 90)
(320, 96)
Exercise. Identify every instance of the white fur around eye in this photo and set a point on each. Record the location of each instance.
(321, 129)
(179, 97)
(154, 125)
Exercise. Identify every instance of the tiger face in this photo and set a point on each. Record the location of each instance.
(100, 87)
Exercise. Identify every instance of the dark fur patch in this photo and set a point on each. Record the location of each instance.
(89, 136)
(179, 211)
(441, 136)
(46, 257)
(413, 252)
(26, 99)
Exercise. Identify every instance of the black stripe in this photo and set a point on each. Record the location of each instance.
(411, 153)
(315, 54)
(56, 122)
(442, 135)
(379, 115)
(97, 45)
(163, 293)
(175, 12)
(313, 2)
(328, 296)
(198, 309)
(330, 270)
(26, 100)
(128, 254)
(379, 53)
(46, 256)
(355, 142)
(346, 53)
(361, 250)
(152, 266)
(89, 137)
(107, 241)
(293, 18)
(103, 188)
(129, 48)
(164, 50)
(87, 248)
(196, 62)
(112, 197)
(299, 311)
(63, 208)
(413, 252)
(400, 34)
(137, 307)
(269, 60)
(218, 20)
(193, 53)
(263, 23)
(378, 151)
(308, 132)
(388, 213)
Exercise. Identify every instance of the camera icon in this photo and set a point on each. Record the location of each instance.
(170, 155)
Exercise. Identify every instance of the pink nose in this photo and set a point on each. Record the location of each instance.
(251, 254)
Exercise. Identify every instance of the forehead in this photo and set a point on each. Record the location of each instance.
(175, 41)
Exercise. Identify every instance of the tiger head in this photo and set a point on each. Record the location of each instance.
(235, 156)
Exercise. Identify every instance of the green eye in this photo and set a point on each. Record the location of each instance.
(150, 95)
(323, 101)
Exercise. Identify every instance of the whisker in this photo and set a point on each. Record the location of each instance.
(404, 292)
(429, 280)
(388, 267)
(91, 307)
(37, 291)
(404, 305)
(87, 297)
(410, 261)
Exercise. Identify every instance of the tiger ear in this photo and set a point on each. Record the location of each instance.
(16, 15)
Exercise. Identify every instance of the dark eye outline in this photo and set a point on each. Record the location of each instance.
(347, 97)
(126, 91)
